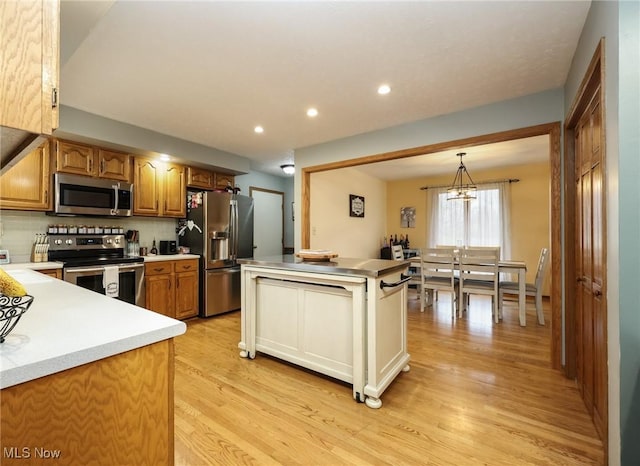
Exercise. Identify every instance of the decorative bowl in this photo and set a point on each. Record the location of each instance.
(11, 309)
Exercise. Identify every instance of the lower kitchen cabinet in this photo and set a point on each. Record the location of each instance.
(171, 287)
(55, 273)
(114, 411)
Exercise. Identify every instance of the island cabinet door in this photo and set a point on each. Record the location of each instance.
(386, 332)
(307, 324)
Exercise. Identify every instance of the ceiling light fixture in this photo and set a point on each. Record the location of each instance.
(312, 112)
(460, 190)
(384, 89)
(165, 157)
(288, 168)
(258, 129)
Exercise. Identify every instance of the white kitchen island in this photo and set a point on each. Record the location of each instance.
(345, 318)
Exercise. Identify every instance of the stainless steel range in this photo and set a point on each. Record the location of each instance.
(99, 263)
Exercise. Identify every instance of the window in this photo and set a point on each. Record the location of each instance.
(483, 221)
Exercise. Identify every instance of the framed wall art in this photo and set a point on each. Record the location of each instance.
(408, 217)
(356, 205)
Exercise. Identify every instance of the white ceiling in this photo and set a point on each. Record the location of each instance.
(208, 72)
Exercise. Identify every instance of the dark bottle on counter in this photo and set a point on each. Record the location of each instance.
(406, 242)
(154, 250)
(395, 239)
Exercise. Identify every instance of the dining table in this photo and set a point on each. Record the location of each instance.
(504, 266)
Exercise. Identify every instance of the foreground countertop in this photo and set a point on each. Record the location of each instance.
(67, 326)
(33, 265)
(338, 266)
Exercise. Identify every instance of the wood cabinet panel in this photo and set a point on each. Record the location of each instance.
(75, 158)
(30, 63)
(159, 291)
(159, 188)
(26, 185)
(200, 178)
(114, 165)
(223, 181)
(117, 410)
(146, 187)
(186, 294)
(174, 191)
(55, 273)
(172, 287)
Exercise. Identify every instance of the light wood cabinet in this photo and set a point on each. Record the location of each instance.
(159, 188)
(117, 410)
(208, 179)
(30, 65)
(187, 288)
(83, 159)
(114, 165)
(75, 158)
(55, 273)
(224, 180)
(146, 187)
(174, 191)
(26, 185)
(171, 287)
(200, 178)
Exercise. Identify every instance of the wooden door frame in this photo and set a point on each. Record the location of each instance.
(271, 191)
(550, 129)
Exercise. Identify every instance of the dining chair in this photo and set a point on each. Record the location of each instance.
(479, 275)
(437, 273)
(532, 289)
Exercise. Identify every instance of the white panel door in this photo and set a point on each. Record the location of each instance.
(268, 208)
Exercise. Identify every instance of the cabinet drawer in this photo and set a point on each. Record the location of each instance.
(158, 268)
(186, 265)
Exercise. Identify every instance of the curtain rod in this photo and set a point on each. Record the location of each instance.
(506, 180)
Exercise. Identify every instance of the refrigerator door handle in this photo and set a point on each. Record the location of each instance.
(233, 224)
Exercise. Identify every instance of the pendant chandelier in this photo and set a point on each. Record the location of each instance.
(460, 190)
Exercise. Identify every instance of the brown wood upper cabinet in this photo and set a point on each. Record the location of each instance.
(159, 188)
(30, 65)
(26, 185)
(200, 178)
(208, 179)
(83, 159)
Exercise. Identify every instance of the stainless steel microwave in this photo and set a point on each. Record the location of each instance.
(82, 195)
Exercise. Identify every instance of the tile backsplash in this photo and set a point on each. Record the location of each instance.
(19, 228)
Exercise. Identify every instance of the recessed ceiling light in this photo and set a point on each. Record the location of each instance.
(165, 157)
(312, 112)
(384, 89)
(259, 129)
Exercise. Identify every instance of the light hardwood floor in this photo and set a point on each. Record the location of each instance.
(477, 393)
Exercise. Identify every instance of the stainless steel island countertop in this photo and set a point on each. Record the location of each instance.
(337, 266)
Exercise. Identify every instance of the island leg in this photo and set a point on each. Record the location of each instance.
(374, 403)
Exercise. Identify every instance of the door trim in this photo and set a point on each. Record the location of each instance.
(555, 161)
(593, 79)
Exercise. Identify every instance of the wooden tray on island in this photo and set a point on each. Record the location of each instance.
(315, 255)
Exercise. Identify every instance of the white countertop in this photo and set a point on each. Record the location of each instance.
(67, 326)
(33, 265)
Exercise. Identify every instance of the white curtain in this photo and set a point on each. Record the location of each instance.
(484, 221)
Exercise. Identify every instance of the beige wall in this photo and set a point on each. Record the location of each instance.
(332, 227)
(530, 210)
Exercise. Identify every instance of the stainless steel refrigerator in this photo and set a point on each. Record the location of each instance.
(218, 227)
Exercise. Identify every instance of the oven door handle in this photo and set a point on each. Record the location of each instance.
(101, 268)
